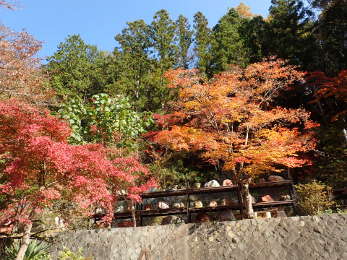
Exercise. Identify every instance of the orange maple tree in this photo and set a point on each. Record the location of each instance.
(232, 120)
(20, 74)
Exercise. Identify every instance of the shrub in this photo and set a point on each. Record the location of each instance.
(36, 251)
(313, 198)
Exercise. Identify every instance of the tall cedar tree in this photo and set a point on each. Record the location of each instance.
(331, 32)
(184, 36)
(74, 69)
(232, 121)
(290, 33)
(163, 36)
(228, 47)
(202, 38)
(138, 77)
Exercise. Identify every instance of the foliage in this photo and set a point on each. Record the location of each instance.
(244, 11)
(233, 123)
(171, 171)
(67, 254)
(163, 36)
(329, 95)
(20, 74)
(232, 119)
(138, 73)
(74, 69)
(313, 198)
(104, 120)
(228, 46)
(330, 31)
(36, 251)
(40, 168)
(202, 39)
(290, 33)
(184, 41)
(333, 88)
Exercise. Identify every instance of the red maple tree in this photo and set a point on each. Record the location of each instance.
(232, 120)
(325, 88)
(40, 168)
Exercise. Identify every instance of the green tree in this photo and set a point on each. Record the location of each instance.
(134, 63)
(255, 33)
(139, 72)
(184, 37)
(228, 47)
(163, 36)
(202, 36)
(331, 32)
(74, 69)
(290, 24)
(105, 120)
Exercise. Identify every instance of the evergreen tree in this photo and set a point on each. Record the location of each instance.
(255, 33)
(134, 62)
(202, 36)
(163, 37)
(228, 47)
(184, 41)
(140, 77)
(290, 25)
(74, 69)
(331, 32)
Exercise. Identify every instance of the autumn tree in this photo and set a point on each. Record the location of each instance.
(328, 102)
(232, 121)
(244, 11)
(40, 169)
(20, 72)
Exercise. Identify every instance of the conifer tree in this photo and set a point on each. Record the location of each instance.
(184, 42)
(202, 36)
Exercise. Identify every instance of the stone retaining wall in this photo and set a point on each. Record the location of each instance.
(301, 238)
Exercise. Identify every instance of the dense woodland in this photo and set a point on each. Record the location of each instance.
(176, 102)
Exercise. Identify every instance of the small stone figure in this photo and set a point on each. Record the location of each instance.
(227, 182)
(275, 178)
(285, 197)
(266, 198)
(212, 184)
(176, 205)
(163, 205)
(213, 204)
(198, 204)
(148, 207)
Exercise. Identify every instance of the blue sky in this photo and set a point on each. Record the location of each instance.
(51, 21)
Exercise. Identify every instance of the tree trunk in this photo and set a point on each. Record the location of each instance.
(24, 242)
(247, 200)
(344, 131)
